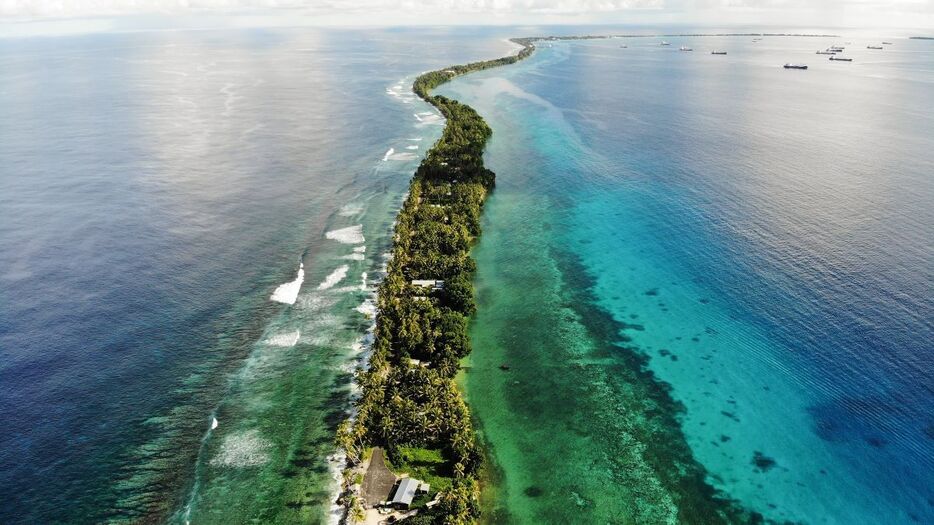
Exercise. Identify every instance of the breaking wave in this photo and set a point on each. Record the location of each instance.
(349, 210)
(284, 340)
(349, 235)
(243, 449)
(288, 292)
(335, 277)
(403, 156)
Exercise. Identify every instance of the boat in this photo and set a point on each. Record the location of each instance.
(838, 59)
(873, 47)
(624, 46)
(685, 48)
(663, 43)
(836, 49)
(795, 66)
(827, 52)
(718, 52)
(886, 43)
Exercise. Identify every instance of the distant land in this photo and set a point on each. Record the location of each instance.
(671, 35)
(921, 38)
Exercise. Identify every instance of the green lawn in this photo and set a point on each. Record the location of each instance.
(423, 464)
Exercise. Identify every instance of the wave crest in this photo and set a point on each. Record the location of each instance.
(349, 235)
(288, 292)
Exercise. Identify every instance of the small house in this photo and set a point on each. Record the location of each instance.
(428, 283)
(405, 492)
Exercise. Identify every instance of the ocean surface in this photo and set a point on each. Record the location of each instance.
(192, 223)
(711, 280)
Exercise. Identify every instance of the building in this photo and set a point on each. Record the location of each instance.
(428, 283)
(406, 491)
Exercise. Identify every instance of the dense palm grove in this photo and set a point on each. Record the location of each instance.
(409, 398)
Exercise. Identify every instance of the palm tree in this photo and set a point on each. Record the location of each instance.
(356, 513)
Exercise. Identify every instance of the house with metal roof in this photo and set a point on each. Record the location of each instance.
(405, 492)
(433, 284)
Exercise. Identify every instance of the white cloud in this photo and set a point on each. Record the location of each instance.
(762, 12)
(113, 7)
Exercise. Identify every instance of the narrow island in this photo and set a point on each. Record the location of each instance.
(411, 452)
(410, 446)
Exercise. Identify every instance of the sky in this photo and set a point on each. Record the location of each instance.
(36, 16)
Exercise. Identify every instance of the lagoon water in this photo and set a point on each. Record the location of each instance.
(163, 355)
(711, 279)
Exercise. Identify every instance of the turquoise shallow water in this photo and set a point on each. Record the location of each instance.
(707, 273)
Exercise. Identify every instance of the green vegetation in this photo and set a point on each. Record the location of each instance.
(425, 464)
(414, 409)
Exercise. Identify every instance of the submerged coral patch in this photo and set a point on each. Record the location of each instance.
(762, 462)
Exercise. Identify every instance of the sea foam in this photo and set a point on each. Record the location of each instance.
(349, 210)
(335, 277)
(388, 154)
(243, 449)
(349, 235)
(288, 292)
(336, 464)
(285, 340)
(359, 254)
(403, 156)
(367, 308)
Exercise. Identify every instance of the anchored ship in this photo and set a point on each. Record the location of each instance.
(795, 66)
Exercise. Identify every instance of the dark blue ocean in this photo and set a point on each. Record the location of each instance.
(754, 244)
(160, 354)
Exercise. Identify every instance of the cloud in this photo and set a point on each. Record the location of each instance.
(117, 7)
(771, 12)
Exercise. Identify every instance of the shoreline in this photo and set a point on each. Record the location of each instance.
(453, 180)
(408, 394)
